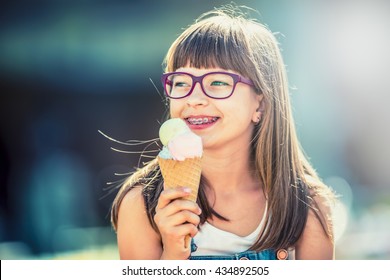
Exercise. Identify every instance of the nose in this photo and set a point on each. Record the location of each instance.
(197, 97)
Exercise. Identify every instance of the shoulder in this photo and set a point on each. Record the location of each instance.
(323, 201)
(144, 176)
(132, 202)
(136, 237)
(316, 241)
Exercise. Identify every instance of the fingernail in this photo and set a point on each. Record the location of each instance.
(187, 190)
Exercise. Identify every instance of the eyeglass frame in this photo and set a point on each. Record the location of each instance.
(199, 79)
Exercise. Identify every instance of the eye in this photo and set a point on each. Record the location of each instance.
(180, 84)
(179, 81)
(218, 80)
(219, 83)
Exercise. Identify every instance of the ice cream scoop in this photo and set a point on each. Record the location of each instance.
(170, 128)
(179, 141)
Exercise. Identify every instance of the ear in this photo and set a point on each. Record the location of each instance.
(257, 115)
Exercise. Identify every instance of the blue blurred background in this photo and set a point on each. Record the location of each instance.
(71, 68)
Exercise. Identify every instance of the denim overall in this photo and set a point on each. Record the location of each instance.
(246, 255)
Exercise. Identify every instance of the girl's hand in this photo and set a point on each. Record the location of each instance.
(175, 218)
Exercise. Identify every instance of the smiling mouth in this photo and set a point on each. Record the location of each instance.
(203, 120)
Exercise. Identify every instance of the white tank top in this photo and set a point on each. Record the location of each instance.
(214, 241)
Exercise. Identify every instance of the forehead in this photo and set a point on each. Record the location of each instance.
(201, 71)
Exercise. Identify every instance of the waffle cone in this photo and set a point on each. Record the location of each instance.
(182, 174)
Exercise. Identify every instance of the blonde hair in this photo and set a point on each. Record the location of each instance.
(227, 39)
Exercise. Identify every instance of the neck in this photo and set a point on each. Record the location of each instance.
(229, 172)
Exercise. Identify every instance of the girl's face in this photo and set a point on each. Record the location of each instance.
(220, 122)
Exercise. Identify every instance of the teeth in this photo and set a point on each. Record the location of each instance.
(204, 120)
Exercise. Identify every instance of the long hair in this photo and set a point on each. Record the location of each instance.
(227, 39)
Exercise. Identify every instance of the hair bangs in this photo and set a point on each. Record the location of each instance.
(210, 47)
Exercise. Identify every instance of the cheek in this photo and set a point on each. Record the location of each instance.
(244, 108)
(174, 109)
(246, 116)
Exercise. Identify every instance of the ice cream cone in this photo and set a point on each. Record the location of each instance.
(182, 174)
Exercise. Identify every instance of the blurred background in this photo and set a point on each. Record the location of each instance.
(71, 68)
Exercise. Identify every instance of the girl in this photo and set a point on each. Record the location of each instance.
(259, 197)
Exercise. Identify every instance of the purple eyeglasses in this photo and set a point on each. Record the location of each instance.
(217, 85)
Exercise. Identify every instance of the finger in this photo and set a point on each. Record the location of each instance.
(182, 230)
(192, 230)
(168, 195)
(183, 217)
(181, 205)
(165, 222)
